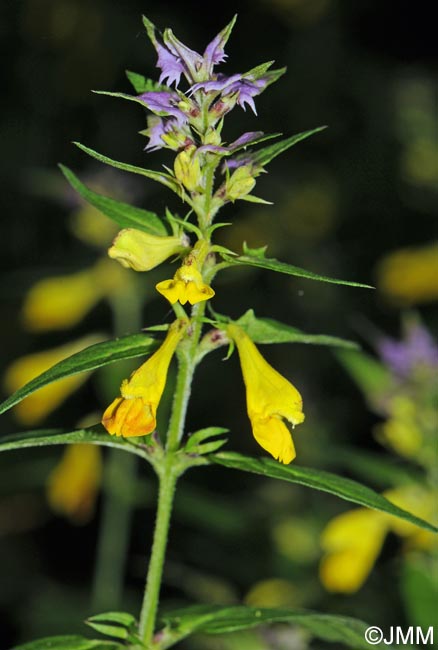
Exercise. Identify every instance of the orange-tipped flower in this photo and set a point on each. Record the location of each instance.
(134, 413)
(270, 398)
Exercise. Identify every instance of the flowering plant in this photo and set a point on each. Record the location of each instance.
(208, 173)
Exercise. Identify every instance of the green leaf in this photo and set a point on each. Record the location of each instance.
(125, 215)
(122, 618)
(68, 643)
(382, 470)
(419, 590)
(264, 156)
(159, 177)
(202, 435)
(117, 631)
(272, 264)
(130, 98)
(255, 199)
(370, 376)
(210, 619)
(318, 480)
(257, 139)
(267, 330)
(95, 356)
(95, 435)
(142, 84)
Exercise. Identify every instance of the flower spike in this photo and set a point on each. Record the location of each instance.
(269, 397)
(134, 413)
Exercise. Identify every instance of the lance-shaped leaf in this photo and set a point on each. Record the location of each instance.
(319, 480)
(211, 619)
(69, 642)
(268, 330)
(159, 177)
(95, 356)
(125, 215)
(272, 264)
(264, 156)
(369, 374)
(116, 624)
(95, 435)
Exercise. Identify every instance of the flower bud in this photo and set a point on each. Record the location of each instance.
(212, 137)
(137, 250)
(240, 183)
(188, 169)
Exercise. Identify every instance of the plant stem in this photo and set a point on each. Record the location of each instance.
(168, 475)
(168, 478)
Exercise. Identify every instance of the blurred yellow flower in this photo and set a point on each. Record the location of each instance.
(401, 431)
(91, 226)
(353, 540)
(37, 406)
(187, 284)
(141, 251)
(134, 413)
(269, 397)
(62, 301)
(274, 592)
(409, 276)
(75, 481)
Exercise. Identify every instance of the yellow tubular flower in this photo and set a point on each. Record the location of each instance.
(141, 251)
(353, 540)
(60, 302)
(269, 397)
(73, 484)
(37, 406)
(134, 413)
(408, 276)
(187, 284)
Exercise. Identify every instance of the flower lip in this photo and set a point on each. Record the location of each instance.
(270, 399)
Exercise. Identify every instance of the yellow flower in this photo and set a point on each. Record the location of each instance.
(187, 284)
(409, 276)
(402, 431)
(37, 406)
(274, 592)
(134, 413)
(141, 251)
(352, 541)
(91, 226)
(269, 397)
(73, 484)
(59, 302)
(62, 301)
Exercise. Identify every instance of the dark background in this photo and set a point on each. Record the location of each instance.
(343, 199)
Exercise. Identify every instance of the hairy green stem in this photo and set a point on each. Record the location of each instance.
(168, 475)
(168, 478)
